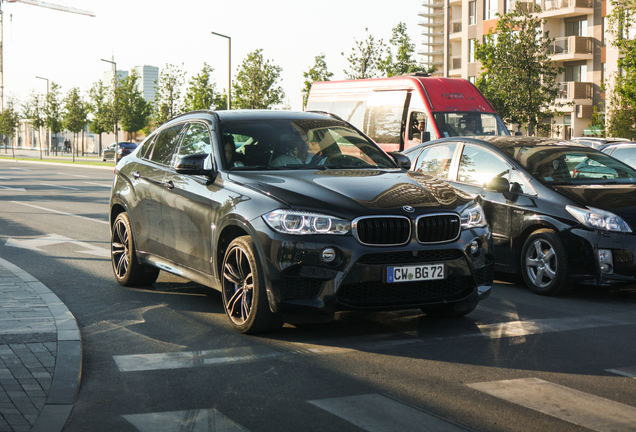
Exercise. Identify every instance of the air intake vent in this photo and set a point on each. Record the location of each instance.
(438, 228)
(383, 230)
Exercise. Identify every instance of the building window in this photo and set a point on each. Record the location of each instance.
(472, 79)
(490, 9)
(576, 73)
(603, 71)
(509, 5)
(603, 29)
(576, 28)
(472, 12)
(471, 50)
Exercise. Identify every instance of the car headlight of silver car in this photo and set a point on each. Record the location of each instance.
(598, 219)
(473, 217)
(303, 223)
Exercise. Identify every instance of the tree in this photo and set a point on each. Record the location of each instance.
(201, 92)
(518, 76)
(255, 86)
(134, 110)
(75, 114)
(9, 123)
(318, 72)
(597, 122)
(168, 96)
(365, 60)
(404, 62)
(34, 111)
(53, 111)
(101, 106)
(621, 115)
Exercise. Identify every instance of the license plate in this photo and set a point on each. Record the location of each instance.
(416, 273)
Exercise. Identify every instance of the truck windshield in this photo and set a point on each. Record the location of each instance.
(469, 123)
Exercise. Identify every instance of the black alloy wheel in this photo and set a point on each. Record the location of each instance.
(127, 269)
(544, 263)
(244, 294)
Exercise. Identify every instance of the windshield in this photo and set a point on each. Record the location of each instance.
(575, 165)
(298, 144)
(469, 123)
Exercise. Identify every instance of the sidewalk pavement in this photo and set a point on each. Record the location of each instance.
(40, 355)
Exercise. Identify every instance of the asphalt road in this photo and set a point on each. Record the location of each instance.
(165, 359)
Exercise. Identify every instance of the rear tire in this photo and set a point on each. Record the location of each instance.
(544, 264)
(126, 268)
(244, 293)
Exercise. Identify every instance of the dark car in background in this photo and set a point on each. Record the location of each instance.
(121, 149)
(283, 235)
(551, 220)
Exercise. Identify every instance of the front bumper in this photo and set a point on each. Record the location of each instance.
(299, 283)
(584, 266)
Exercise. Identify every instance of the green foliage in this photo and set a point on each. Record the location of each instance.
(597, 122)
(518, 76)
(134, 110)
(75, 113)
(101, 106)
(318, 72)
(201, 92)
(53, 109)
(168, 96)
(255, 86)
(365, 60)
(9, 120)
(34, 110)
(404, 62)
(622, 96)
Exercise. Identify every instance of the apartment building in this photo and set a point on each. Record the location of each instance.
(451, 27)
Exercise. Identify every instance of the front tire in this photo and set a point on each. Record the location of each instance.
(544, 263)
(127, 269)
(244, 294)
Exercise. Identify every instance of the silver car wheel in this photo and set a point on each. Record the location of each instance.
(238, 285)
(119, 248)
(541, 263)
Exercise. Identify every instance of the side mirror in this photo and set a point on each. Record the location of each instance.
(518, 133)
(498, 184)
(426, 136)
(194, 165)
(402, 161)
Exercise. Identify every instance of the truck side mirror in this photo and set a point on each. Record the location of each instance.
(426, 136)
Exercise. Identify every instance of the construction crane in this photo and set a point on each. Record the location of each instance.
(34, 3)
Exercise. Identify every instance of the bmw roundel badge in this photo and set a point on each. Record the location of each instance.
(408, 209)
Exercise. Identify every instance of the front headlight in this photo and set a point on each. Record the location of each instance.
(598, 219)
(473, 217)
(302, 223)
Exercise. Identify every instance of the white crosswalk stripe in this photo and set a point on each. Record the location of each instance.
(378, 413)
(201, 420)
(583, 409)
(628, 371)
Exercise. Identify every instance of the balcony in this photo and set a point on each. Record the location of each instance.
(570, 90)
(566, 8)
(572, 48)
(455, 27)
(455, 63)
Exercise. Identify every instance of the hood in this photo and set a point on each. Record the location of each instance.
(618, 199)
(354, 192)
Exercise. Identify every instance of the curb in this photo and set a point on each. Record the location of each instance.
(76, 164)
(68, 360)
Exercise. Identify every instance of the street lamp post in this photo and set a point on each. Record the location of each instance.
(47, 101)
(229, 66)
(116, 105)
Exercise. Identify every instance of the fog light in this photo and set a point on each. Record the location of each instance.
(474, 247)
(606, 261)
(328, 255)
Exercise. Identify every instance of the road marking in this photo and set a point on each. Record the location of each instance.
(53, 239)
(378, 413)
(13, 189)
(201, 420)
(180, 360)
(73, 175)
(99, 184)
(19, 169)
(60, 212)
(573, 406)
(628, 371)
(57, 186)
(177, 360)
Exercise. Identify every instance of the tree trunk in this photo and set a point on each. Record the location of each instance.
(83, 142)
(40, 139)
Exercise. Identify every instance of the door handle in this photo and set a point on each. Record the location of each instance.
(169, 184)
(136, 174)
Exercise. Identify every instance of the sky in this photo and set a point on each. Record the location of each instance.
(67, 48)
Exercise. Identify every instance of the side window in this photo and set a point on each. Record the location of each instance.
(478, 166)
(196, 140)
(148, 145)
(384, 116)
(164, 145)
(518, 184)
(418, 124)
(626, 154)
(436, 161)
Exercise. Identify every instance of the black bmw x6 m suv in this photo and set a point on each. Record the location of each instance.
(294, 215)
